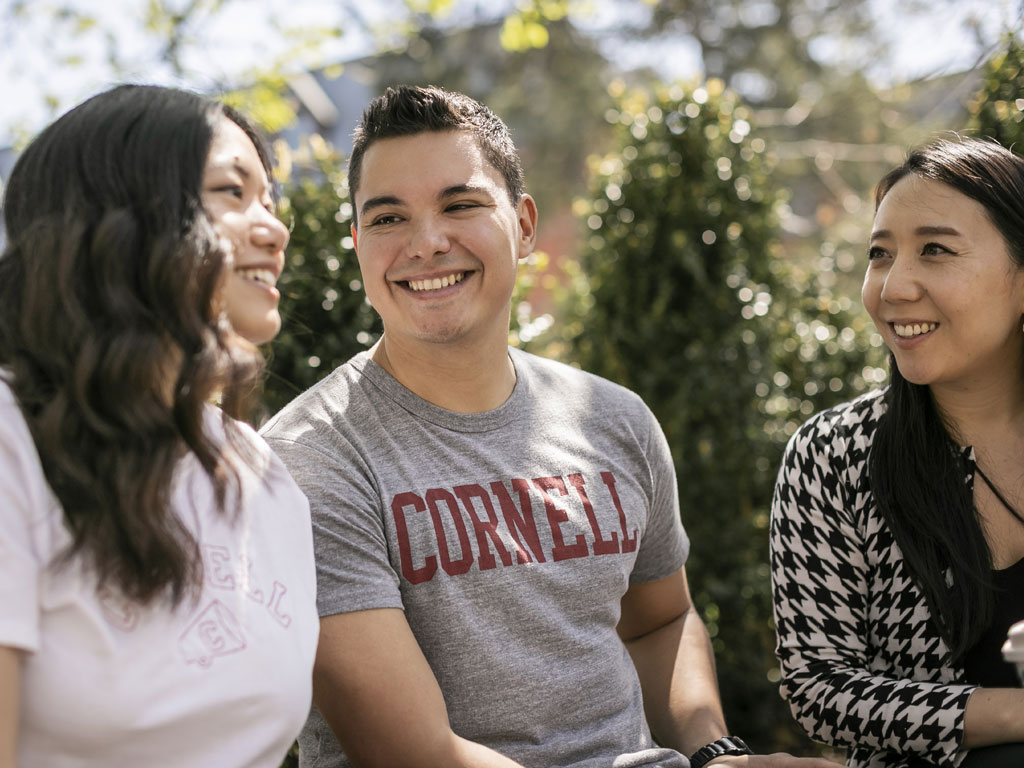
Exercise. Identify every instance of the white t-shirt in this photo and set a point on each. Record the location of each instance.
(220, 682)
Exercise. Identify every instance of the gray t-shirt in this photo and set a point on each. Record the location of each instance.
(507, 537)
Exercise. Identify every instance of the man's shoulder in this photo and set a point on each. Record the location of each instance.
(320, 403)
(569, 383)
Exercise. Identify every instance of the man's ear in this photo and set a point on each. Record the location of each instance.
(355, 238)
(527, 213)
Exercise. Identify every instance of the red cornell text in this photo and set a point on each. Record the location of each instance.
(504, 527)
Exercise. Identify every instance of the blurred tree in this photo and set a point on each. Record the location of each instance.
(183, 42)
(997, 110)
(810, 70)
(209, 45)
(730, 346)
(763, 50)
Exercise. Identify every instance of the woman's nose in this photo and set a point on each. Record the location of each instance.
(902, 282)
(269, 231)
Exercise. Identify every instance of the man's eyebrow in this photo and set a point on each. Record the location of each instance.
(377, 202)
(881, 234)
(462, 189)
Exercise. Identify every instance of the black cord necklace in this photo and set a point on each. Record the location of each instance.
(999, 496)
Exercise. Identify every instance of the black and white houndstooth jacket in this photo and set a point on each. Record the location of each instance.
(863, 666)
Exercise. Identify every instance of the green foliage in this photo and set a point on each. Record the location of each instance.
(264, 101)
(326, 318)
(997, 111)
(528, 28)
(731, 347)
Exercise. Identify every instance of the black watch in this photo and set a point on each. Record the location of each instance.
(727, 745)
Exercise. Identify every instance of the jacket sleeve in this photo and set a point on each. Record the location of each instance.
(822, 555)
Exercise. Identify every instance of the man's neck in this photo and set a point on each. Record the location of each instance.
(457, 377)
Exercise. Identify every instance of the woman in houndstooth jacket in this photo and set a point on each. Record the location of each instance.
(897, 532)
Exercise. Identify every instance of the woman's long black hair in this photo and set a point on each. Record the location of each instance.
(111, 334)
(916, 469)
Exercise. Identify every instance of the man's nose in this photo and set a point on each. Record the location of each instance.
(428, 237)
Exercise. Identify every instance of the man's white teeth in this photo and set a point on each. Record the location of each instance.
(435, 283)
(264, 276)
(908, 331)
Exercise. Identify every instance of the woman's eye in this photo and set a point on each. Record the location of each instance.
(934, 249)
(876, 253)
(235, 190)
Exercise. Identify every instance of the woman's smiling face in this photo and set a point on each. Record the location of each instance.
(236, 197)
(941, 287)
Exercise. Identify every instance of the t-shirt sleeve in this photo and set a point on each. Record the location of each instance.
(21, 486)
(665, 545)
(820, 580)
(352, 566)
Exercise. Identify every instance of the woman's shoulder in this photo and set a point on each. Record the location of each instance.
(254, 464)
(7, 396)
(846, 428)
(23, 485)
(13, 426)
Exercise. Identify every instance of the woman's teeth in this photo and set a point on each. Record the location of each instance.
(437, 282)
(908, 331)
(262, 276)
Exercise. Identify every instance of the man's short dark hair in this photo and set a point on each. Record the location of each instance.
(407, 110)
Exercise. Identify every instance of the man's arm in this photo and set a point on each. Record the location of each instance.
(672, 654)
(377, 692)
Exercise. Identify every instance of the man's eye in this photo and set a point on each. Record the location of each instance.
(383, 220)
(462, 206)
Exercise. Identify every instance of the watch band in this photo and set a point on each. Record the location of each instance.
(727, 745)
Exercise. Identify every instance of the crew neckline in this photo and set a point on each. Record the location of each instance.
(485, 421)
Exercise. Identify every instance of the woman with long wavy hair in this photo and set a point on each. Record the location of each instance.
(156, 565)
(898, 521)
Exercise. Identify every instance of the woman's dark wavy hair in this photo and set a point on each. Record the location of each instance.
(916, 469)
(110, 333)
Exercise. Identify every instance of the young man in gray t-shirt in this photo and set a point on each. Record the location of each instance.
(499, 549)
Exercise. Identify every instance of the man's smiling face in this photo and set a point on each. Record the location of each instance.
(438, 239)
